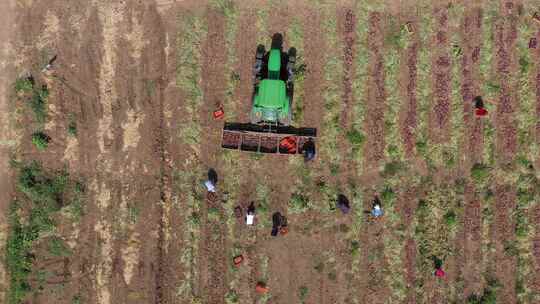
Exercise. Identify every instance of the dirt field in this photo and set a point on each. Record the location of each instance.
(103, 155)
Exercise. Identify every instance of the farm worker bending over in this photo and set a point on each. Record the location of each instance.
(309, 150)
(212, 181)
(377, 211)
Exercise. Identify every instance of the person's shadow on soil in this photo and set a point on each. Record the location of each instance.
(212, 176)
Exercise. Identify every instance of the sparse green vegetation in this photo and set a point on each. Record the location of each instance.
(450, 218)
(57, 247)
(40, 140)
(30, 217)
(38, 103)
(480, 173)
(24, 85)
(231, 297)
(488, 297)
(299, 203)
(72, 127)
(302, 293)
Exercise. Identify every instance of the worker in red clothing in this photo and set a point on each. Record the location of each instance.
(479, 109)
(438, 267)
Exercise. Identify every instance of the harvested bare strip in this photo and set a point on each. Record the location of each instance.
(409, 123)
(441, 79)
(374, 124)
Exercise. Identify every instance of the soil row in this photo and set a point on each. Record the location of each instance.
(372, 285)
(441, 73)
(471, 262)
(409, 122)
(505, 37)
(374, 124)
(213, 254)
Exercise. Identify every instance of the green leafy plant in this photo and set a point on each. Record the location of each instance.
(450, 218)
(72, 128)
(299, 203)
(302, 293)
(480, 173)
(133, 213)
(24, 85)
(388, 196)
(231, 297)
(57, 247)
(355, 137)
(355, 249)
(40, 140)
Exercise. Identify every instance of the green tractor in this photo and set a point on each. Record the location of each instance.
(270, 129)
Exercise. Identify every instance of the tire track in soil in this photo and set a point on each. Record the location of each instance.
(245, 50)
(376, 100)
(102, 182)
(506, 145)
(69, 84)
(213, 254)
(315, 50)
(372, 262)
(439, 131)
(67, 92)
(471, 236)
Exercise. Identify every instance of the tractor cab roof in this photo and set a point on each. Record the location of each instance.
(271, 94)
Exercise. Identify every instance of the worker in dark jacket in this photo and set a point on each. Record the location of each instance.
(309, 150)
(343, 204)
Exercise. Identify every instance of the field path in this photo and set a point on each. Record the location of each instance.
(7, 9)
(245, 48)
